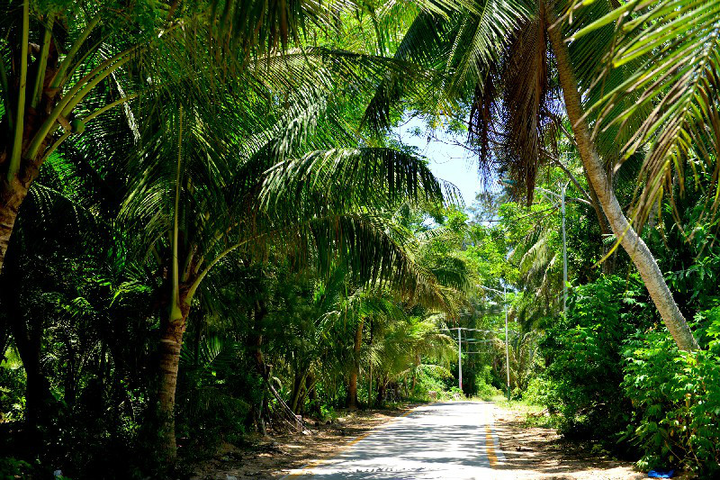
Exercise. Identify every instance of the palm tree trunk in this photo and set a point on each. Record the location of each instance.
(352, 384)
(382, 388)
(37, 393)
(352, 390)
(629, 239)
(313, 396)
(297, 391)
(27, 332)
(172, 331)
(255, 343)
(12, 195)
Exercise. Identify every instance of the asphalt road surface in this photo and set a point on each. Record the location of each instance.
(439, 441)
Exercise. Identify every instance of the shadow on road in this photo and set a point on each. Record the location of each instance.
(429, 444)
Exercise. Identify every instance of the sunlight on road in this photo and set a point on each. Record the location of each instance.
(447, 440)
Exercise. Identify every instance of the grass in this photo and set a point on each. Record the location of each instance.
(534, 414)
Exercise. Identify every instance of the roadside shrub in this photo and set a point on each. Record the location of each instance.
(11, 468)
(429, 378)
(676, 400)
(584, 358)
(486, 391)
(451, 394)
(538, 391)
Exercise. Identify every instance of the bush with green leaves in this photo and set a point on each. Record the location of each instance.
(11, 468)
(538, 391)
(12, 387)
(583, 351)
(429, 378)
(676, 401)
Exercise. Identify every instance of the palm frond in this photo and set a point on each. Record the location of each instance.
(678, 81)
(347, 178)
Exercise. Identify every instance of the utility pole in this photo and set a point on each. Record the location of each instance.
(565, 276)
(460, 358)
(507, 342)
(507, 334)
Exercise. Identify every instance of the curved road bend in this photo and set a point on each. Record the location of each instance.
(439, 441)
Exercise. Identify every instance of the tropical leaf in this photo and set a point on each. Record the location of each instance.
(677, 81)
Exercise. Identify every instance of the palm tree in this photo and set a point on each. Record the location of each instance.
(64, 65)
(169, 63)
(401, 347)
(243, 183)
(636, 248)
(500, 61)
(76, 50)
(673, 47)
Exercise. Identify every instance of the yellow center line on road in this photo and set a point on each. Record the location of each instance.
(490, 447)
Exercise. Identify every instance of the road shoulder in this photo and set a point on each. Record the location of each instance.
(538, 453)
(274, 458)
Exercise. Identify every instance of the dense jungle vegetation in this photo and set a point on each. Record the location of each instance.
(209, 227)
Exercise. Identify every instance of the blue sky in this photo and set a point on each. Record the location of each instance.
(448, 161)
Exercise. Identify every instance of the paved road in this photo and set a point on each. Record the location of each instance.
(440, 441)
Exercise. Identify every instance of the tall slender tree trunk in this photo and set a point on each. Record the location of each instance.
(370, 384)
(382, 389)
(629, 239)
(37, 392)
(352, 384)
(312, 395)
(352, 390)
(172, 331)
(297, 392)
(255, 342)
(28, 334)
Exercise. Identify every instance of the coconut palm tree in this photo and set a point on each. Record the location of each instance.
(170, 62)
(673, 45)
(511, 62)
(214, 179)
(65, 63)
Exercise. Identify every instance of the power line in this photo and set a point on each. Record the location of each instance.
(469, 329)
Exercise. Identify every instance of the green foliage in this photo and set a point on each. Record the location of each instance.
(429, 378)
(538, 391)
(676, 402)
(12, 385)
(208, 405)
(584, 359)
(12, 468)
(233, 154)
(485, 391)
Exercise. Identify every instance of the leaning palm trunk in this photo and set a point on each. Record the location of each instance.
(629, 239)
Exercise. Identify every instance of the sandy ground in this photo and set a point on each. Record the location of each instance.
(271, 458)
(540, 453)
(530, 453)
